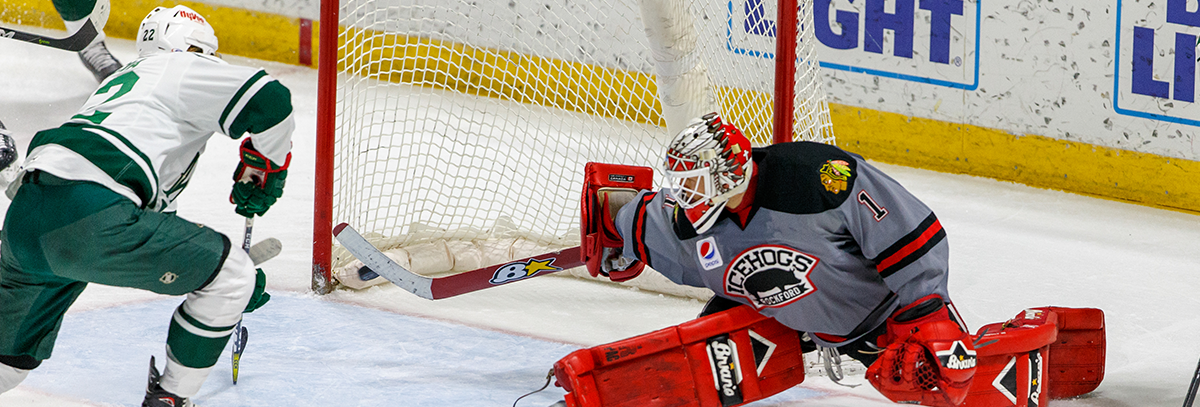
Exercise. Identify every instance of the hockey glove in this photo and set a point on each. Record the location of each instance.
(8, 149)
(260, 295)
(929, 359)
(258, 182)
(606, 188)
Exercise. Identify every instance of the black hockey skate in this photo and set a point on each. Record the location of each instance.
(157, 397)
(98, 60)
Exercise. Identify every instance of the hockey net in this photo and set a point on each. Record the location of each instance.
(454, 133)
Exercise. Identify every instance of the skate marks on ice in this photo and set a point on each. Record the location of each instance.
(312, 352)
(308, 352)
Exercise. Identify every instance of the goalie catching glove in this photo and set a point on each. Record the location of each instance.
(258, 182)
(929, 358)
(606, 188)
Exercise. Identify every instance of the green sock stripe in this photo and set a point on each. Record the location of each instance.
(191, 350)
(187, 321)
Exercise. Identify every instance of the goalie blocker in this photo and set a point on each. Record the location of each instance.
(738, 356)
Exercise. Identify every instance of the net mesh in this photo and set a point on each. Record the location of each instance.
(470, 121)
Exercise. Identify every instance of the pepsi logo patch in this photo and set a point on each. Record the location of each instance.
(707, 253)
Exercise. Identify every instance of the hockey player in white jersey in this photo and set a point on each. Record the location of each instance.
(803, 232)
(96, 203)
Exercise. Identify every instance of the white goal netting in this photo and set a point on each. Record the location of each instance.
(463, 126)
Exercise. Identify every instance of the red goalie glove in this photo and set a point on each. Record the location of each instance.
(603, 185)
(929, 358)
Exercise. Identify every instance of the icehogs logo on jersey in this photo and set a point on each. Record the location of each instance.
(770, 276)
(706, 250)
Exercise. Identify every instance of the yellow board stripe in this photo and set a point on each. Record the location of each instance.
(507, 75)
(1038, 161)
(241, 32)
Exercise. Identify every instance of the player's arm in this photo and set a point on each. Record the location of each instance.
(263, 112)
(898, 233)
(929, 357)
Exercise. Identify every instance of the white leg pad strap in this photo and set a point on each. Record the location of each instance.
(10, 377)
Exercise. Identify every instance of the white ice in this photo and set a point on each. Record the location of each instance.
(1012, 247)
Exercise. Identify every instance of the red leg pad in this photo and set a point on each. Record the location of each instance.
(1077, 357)
(725, 359)
(1042, 353)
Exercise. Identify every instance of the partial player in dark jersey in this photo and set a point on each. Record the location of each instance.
(806, 233)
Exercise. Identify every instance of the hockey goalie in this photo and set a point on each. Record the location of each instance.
(802, 240)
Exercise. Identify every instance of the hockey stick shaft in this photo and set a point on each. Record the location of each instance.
(1191, 394)
(76, 42)
(457, 284)
(240, 333)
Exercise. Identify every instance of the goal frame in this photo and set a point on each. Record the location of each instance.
(327, 72)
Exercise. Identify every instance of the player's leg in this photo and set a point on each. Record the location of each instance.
(30, 316)
(718, 303)
(113, 242)
(32, 299)
(96, 56)
(166, 254)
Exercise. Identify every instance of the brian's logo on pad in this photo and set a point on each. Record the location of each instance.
(520, 270)
(727, 372)
(709, 256)
(770, 275)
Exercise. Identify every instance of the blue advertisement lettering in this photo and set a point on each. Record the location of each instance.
(1155, 74)
(928, 41)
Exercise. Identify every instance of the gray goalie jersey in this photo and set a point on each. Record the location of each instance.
(142, 131)
(831, 245)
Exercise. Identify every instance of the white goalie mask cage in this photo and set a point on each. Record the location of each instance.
(706, 164)
(175, 29)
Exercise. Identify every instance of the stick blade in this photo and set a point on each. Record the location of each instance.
(239, 345)
(265, 250)
(378, 262)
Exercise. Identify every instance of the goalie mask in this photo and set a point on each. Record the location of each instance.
(175, 29)
(707, 163)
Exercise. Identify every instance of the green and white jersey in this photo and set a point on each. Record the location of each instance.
(142, 131)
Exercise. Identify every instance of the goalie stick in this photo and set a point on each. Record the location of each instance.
(76, 42)
(443, 287)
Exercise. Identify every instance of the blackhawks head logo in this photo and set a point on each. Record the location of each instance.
(834, 175)
(770, 276)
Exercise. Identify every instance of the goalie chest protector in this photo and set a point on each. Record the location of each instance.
(725, 359)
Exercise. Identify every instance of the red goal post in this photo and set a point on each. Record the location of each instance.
(455, 133)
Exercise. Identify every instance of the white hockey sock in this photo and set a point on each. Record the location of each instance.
(181, 380)
(10, 377)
